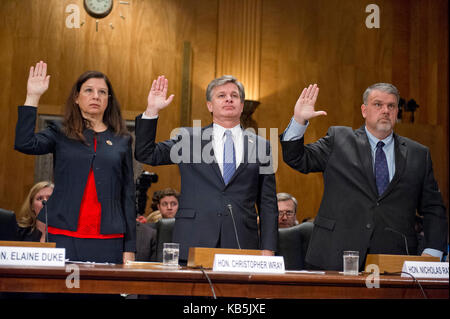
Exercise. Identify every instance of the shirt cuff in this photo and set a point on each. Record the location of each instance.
(145, 117)
(433, 252)
(294, 131)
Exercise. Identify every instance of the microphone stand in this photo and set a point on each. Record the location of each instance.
(234, 225)
(399, 233)
(44, 203)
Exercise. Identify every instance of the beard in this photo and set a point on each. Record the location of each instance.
(384, 126)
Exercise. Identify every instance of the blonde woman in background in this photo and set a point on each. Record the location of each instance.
(29, 228)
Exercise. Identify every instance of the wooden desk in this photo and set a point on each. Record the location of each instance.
(156, 280)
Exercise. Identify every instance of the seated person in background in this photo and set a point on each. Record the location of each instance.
(164, 205)
(146, 242)
(308, 219)
(166, 202)
(287, 208)
(153, 215)
(30, 229)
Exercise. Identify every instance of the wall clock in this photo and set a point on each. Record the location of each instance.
(98, 8)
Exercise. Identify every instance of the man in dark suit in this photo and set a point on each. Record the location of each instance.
(371, 190)
(227, 178)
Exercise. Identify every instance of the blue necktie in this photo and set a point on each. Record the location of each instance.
(381, 169)
(229, 159)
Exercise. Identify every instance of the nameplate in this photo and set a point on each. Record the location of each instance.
(424, 269)
(249, 263)
(32, 256)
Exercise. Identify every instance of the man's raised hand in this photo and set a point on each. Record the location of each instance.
(157, 97)
(304, 108)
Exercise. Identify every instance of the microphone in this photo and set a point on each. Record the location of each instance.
(234, 225)
(401, 234)
(44, 203)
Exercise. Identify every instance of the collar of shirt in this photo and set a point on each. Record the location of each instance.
(388, 141)
(219, 140)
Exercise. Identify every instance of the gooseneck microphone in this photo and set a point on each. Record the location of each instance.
(401, 234)
(234, 225)
(44, 203)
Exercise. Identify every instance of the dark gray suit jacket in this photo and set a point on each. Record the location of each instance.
(146, 242)
(203, 219)
(352, 216)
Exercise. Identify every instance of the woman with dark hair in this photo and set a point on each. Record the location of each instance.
(92, 210)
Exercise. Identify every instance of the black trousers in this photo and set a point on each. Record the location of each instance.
(90, 249)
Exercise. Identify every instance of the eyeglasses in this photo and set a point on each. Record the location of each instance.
(288, 213)
(90, 92)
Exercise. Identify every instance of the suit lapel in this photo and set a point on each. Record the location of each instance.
(400, 150)
(208, 151)
(365, 155)
(249, 151)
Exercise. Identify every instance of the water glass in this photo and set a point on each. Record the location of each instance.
(351, 262)
(171, 252)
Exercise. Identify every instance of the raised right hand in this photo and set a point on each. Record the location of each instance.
(304, 108)
(156, 100)
(37, 84)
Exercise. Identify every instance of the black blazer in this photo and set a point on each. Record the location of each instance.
(112, 167)
(203, 219)
(352, 216)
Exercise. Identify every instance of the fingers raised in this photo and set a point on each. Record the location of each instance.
(40, 70)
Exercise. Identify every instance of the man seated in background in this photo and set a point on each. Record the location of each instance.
(287, 208)
(166, 203)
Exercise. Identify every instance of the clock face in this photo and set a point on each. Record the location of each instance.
(98, 8)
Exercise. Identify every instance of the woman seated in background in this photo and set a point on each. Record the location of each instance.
(29, 228)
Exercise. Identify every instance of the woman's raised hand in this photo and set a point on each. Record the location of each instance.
(38, 82)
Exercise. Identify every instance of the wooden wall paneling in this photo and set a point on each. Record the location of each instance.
(186, 83)
(289, 63)
(6, 136)
(155, 50)
(239, 43)
(7, 24)
(203, 37)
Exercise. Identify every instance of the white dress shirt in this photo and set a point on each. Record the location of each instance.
(218, 140)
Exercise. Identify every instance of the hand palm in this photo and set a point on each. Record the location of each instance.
(38, 80)
(304, 108)
(157, 98)
(37, 85)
